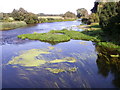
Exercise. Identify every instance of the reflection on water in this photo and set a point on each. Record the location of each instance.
(72, 64)
(107, 65)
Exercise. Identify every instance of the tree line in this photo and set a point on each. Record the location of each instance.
(30, 18)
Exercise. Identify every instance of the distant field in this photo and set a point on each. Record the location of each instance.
(54, 17)
(11, 25)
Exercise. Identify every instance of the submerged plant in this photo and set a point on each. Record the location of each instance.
(35, 58)
(28, 58)
(53, 70)
(67, 59)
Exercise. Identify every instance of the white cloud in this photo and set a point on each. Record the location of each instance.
(46, 6)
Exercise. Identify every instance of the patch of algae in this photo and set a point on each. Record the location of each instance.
(67, 59)
(50, 47)
(74, 69)
(83, 43)
(34, 58)
(55, 70)
(28, 58)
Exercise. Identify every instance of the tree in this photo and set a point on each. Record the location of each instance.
(23, 15)
(69, 15)
(82, 12)
(110, 16)
(94, 18)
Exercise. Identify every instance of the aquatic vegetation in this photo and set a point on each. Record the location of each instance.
(47, 37)
(53, 70)
(51, 47)
(67, 59)
(83, 43)
(110, 46)
(28, 58)
(35, 58)
(52, 36)
(74, 69)
(115, 55)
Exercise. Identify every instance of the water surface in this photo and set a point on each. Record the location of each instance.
(17, 74)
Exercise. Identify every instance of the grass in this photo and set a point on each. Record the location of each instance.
(76, 35)
(58, 36)
(47, 37)
(109, 45)
(11, 25)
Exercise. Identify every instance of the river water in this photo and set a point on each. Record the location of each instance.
(19, 69)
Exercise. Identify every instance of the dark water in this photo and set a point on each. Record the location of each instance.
(88, 74)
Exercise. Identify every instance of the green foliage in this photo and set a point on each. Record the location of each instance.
(23, 15)
(47, 37)
(82, 12)
(31, 18)
(110, 46)
(94, 18)
(11, 25)
(69, 15)
(58, 36)
(110, 17)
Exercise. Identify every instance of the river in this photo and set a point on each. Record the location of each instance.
(19, 57)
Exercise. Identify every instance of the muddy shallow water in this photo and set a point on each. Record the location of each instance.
(35, 64)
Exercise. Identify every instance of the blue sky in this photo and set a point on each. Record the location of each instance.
(46, 6)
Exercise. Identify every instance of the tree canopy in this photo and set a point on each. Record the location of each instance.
(82, 12)
(69, 15)
(23, 15)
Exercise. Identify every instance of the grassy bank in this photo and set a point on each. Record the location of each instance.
(11, 25)
(110, 42)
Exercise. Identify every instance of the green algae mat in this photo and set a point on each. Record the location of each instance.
(35, 58)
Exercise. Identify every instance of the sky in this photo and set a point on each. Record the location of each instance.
(46, 6)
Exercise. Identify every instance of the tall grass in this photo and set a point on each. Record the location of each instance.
(11, 25)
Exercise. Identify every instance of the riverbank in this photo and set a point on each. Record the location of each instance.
(12, 25)
(93, 26)
(106, 41)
